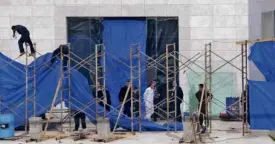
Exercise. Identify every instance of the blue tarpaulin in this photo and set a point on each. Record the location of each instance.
(12, 91)
(12, 87)
(262, 101)
(118, 35)
(261, 93)
(262, 54)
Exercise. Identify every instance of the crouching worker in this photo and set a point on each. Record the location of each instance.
(62, 50)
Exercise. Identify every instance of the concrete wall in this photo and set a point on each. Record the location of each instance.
(256, 7)
(200, 21)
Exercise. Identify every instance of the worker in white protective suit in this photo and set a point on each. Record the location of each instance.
(149, 100)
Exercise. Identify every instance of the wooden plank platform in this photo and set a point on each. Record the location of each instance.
(50, 135)
(113, 137)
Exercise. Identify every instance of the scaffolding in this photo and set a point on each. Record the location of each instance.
(172, 66)
(208, 81)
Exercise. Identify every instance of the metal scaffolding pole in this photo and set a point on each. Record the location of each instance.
(243, 113)
(69, 87)
(135, 75)
(100, 75)
(62, 78)
(244, 88)
(167, 87)
(175, 94)
(246, 84)
(208, 84)
(34, 82)
(204, 99)
(171, 75)
(210, 87)
(26, 96)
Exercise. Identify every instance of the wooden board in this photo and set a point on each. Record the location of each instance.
(254, 41)
(50, 135)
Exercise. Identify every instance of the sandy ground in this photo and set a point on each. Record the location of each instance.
(222, 133)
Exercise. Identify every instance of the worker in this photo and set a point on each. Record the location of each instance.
(78, 115)
(25, 38)
(101, 97)
(121, 96)
(204, 105)
(57, 53)
(149, 100)
(177, 89)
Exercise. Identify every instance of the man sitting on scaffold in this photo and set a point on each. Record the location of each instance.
(25, 38)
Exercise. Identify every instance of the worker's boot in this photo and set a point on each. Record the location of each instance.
(22, 53)
(203, 129)
(32, 54)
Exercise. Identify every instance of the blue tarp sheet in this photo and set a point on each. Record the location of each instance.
(262, 54)
(12, 91)
(118, 35)
(12, 87)
(262, 101)
(261, 94)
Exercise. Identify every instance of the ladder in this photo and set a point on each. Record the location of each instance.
(27, 88)
(208, 85)
(171, 77)
(244, 88)
(135, 75)
(100, 54)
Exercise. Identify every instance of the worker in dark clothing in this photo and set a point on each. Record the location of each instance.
(179, 100)
(101, 98)
(64, 49)
(204, 105)
(79, 116)
(121, 95)
(25, 38)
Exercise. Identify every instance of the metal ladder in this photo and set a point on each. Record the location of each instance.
(135, 75)
(33, 88)
(171, 77)
(100, 55)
